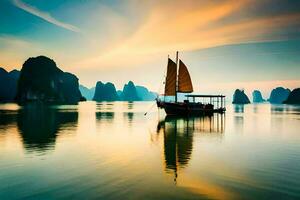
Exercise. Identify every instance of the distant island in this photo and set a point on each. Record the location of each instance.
(279, 95)
(88, 93)
(294, 97)
(239, 97)
(42, 81)
(107, 92)
(257, 97)
(8, 85)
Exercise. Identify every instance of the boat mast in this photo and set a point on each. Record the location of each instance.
(176, 84)
(166, 81)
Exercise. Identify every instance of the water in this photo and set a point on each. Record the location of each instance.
(112, 151)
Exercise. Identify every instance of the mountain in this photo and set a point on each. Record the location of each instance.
(8, 85)
(279, 95)
(257, 97)
(144, 94)
(42, 81)
(119, 92)
(88, 93)
(239, 97)
(294, 97)
(105, 92)
(108, 92)
(130, 92)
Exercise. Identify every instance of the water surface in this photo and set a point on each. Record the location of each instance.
(112, 151)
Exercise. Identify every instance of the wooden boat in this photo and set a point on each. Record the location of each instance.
(182, 83)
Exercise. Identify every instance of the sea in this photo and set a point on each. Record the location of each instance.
(115, 150)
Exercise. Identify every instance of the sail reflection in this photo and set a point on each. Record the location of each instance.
(178, 138)
(39, 126)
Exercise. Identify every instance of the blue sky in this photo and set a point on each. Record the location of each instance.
(226, 44)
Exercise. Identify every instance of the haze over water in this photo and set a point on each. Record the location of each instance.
(112, 151)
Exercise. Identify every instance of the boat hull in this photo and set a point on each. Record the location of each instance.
(186, 109)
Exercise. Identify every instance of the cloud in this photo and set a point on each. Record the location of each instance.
(196, 25)
(45, 16)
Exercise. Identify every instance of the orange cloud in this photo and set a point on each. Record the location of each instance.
(188, 25)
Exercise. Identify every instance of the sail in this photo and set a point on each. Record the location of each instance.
(170, 87)
(184, 80)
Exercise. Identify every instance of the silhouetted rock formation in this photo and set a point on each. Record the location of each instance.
(88, 93)
(129, 92)
(239, 97)
(105, 92)
(42, 81)
(294, 97)
(144, 94)
(8, 85)
(257, 97)
(279, 95)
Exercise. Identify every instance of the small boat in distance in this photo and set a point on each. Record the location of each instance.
(182, 83)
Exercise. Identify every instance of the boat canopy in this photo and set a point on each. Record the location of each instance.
(204, 95)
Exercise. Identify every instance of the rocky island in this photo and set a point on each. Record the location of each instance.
(8, 85)
(42, 81)
(294, 97)
(105, 92)
(88, 93)
(239, 97)
(279, 95)
(129, 92)
(257, 97)
(108, 92)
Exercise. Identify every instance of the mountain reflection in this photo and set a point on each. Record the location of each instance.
(178, 138)
(40, 125)
(7, 118)
(128, 116)
(105, 116)
(238, 108)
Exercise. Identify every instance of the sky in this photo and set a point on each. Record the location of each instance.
(226, 44)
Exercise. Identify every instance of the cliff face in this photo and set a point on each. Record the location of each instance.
(88, 93)
(41, 80)
(279, 95)
(257, 97)
(239, 97)
(8, 85)
(129, 92)
(105, 92)
(294, 97)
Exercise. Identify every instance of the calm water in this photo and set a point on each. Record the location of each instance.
(113, 151)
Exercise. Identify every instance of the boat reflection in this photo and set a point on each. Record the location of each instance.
(39, 126)
(178, 136)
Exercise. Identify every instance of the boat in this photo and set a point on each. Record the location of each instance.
(181, 82)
